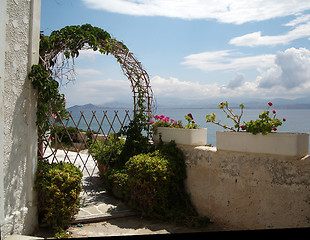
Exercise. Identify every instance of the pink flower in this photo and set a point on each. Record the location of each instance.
(166, 119)
(270, 104)
(161, 117)
(152, 121)
(193, 122)
(54, 115)
(157, 117)
(172, 120)
(190, 115)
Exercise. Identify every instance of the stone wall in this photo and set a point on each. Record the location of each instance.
(19, 48)
(248, 191)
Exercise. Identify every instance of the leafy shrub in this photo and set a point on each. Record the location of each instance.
(153, 183)
(64, 135)
(148, 178)
(107, 151)
(58, 186)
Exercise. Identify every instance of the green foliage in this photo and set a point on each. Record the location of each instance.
(66, 135)
(265, 124)
(58, 187)
(190, 122)
(153, 183)
(229, 114)
(50, 101)
(148, 177)
(109, 151)
(136, 141)
(69, 40)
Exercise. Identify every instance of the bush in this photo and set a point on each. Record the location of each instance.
(153, 183)
(64, 134)
(108, 151)
(148, 180)
(58, 186)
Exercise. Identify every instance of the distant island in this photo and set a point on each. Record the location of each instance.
(250, 103)
(92, 107)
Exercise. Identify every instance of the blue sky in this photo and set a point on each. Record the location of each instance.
(194, 51)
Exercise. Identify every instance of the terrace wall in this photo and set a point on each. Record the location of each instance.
(19, 49)
(248, 191)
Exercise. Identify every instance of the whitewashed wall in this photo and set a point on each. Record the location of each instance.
(249, 191)
(19, 49)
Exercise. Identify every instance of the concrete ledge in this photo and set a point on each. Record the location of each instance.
(194, 137)
(21, 237)
(102, 217)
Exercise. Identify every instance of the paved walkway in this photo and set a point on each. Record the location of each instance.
(96, 203)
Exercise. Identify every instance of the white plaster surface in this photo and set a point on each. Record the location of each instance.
(290, 145)
(249, 191)
(18, 137)
(194, 137)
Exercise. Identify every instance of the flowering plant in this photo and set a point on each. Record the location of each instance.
(163, 121)
(191, 123)
(264, 124)
(230, 114)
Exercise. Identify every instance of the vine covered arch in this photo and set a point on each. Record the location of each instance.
(56, 62)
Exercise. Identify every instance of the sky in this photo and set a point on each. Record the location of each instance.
(194, 51)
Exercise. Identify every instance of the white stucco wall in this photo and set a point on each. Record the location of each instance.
(249, 191)
(19, 49)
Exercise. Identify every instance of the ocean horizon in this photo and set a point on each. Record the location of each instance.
(297, 120)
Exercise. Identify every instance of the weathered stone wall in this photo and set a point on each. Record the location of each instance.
(19, 48)
(248, 191)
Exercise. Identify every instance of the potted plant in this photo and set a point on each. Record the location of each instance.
(105, 152)
(168, 129)
(259, 136)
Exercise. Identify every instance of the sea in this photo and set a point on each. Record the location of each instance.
(297, 120)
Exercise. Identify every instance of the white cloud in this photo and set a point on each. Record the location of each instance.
(227, 60)
(97, 91)
(288, 76)
(298, 20)
(87, 71)
(291, 71)
(175, 88)
(88, 54)
(256, 38)
(226, 11)
(237, 81)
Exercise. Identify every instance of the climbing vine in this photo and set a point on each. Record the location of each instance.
(56, 63)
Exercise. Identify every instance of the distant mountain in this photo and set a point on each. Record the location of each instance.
(92, 107)
(279, 103)
(251, 103)
(86, 107)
